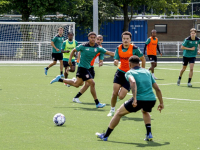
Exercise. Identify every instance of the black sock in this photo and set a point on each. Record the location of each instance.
(47, 68)
(148, 127)
(108, 132)
(96, 101)
(61, 72)
(189, 80)
(78, 95)
(60, 80)
(179, 78)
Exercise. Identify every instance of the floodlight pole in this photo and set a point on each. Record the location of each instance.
(95, 16)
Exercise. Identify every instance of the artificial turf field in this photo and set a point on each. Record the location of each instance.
(28, 103)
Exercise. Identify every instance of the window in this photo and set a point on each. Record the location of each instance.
(161, 28)
(198, 27)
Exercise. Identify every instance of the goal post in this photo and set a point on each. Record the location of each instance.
(30, 41)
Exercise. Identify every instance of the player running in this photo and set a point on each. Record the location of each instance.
(56, 43)
(66, 49)
(190, 48)
(88, 51)
(141, 82)
(120, 85)
(152, 44)
(101, 57)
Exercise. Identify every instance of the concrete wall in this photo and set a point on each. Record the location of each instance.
(177, 30)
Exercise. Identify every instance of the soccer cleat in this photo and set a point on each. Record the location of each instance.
(55, 79)
(101, 136)
(45, 71)
(76, 100)
(189, 85)
(100, 105)
(111, 113)
(178, 82)
(149, 137)
(62, 75)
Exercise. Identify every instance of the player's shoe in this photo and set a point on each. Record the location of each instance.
(62, 75)
(56, 79)
(67, 85)
(149, 137)
(189, 85)
(76, 100)
(111, 113)
(178, 82)
(45, 71)
(101, 136)
(100, 105)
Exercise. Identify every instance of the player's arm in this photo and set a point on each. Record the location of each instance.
(53, 45)
(145, 46)
(158, 48)
(101, 58)
(71, 55)
(63, 47)
(143, 61)
(100, 63)
(79, 56)
(116, 58)
(184, 46)
(110, 53)
(134, 89)
(159, 95)
(199, 49)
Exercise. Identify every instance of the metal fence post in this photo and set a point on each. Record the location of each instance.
(178, 49)
(39, 50)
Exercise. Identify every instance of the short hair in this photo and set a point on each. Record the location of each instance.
(101, 36)
(193, 29)
(153, 31)
(70, 32)
(127, 33)
(134, 59)
(60, 28)
(92, 33)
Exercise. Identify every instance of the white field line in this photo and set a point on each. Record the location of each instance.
(178, 99)
(174, 69)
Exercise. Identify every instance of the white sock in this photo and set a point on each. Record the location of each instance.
(153, 74)
(112, 108)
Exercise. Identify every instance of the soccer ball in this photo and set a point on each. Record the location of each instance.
(59, 119)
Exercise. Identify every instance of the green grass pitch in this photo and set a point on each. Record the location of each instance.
(28, 103)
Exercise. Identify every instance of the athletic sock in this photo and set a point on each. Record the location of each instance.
(189, 80)
(96, 101)
(179, 78)
(148, 127)
(61, 72)
(78, 95)
(60, 80)
(47, 68)
(108, 132)
(112, 108)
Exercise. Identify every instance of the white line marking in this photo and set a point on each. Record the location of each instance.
(174, 69)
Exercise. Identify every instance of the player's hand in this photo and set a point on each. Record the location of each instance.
(100, 63)
(57, 50)
(160, 107)
(193, 48)
(67, 51)
(134, 103)
(161, 54)
(116, 62)
(199, 52)
(70, 62)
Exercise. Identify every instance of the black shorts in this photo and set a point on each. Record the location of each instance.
(92, 72)
(84, 74)
(57, 56)
(145, 105)
(119, 78)
(152, 58)
(65, 64)
(187, 60)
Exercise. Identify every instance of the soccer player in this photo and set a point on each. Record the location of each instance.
(190, 48)
(88, 51)
(141, 82)
(101, 57)
(56, 43)
(152, 44)
(120, 85)
(66, 49)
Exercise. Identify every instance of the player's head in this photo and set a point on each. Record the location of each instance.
(70, 35)
(99, 39)
(193, 32)
(153, 33)
(134, 61)
(60, 30)
(126, 38)
(92, 36)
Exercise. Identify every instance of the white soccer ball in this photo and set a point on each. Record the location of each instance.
(59, 119)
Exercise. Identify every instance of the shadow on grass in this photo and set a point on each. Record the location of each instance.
(124, 118)
(82, 108)
(191, 87)
(160, 79)
(148, 144)
(92, 104)
(60, 126)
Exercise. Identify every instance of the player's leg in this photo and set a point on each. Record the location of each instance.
(61, 68)
(190, 74)
(73, 67)
(83, 89)
(122, 94)
(66, 72)
(54, 57)
(185, 63)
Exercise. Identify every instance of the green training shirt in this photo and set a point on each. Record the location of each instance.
(63, 48)
(144, 82)
(189, 43)
(57, 40)
(88, 53)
